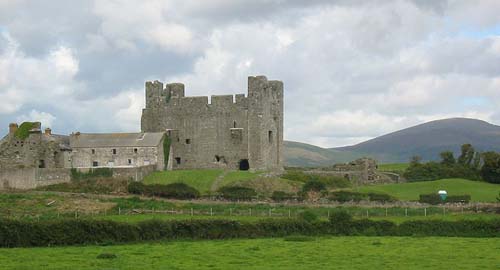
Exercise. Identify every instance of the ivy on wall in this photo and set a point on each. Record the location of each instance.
(166, 150)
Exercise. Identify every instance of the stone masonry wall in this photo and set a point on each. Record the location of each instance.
(222, 133)
(138, 156)
(30, 178)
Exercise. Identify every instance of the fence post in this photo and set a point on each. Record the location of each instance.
(211, 213)
(386, 211)
(366, 213)
(406, 212)
(328, 214)
(191, 211)
(270, 212)
(289, 213)
(119, 211)
(230, 211)
(250, 211)
(425, 212)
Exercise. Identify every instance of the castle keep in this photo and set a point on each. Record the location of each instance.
(234, 132)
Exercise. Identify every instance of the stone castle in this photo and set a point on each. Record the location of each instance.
(233, 132)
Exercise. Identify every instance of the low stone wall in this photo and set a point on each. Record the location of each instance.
(135, 173)
(29, 178)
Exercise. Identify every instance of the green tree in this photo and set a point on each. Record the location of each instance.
(467, 155)
(490, 171)
(447, 158)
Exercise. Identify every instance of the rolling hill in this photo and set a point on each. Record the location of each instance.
(426, 140)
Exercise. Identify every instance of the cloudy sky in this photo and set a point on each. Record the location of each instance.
(352, 69)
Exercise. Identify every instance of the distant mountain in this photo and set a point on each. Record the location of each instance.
(426, 140)
(306, 155)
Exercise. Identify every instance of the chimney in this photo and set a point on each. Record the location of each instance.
(12, 128)
(48, 131)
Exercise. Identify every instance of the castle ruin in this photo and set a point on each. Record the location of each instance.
(233, 132)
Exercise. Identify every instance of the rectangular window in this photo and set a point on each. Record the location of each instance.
(270, 136)
(114, 151)
(41, 163)
(129, 161)
(178, 160)
(93, 151)
(95, 163)
(188, 141)
(135, 150)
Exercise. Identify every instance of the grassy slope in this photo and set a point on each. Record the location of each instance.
(199, 179)
(320, 253)
(203, 180)
(393, 167)
(479, 191)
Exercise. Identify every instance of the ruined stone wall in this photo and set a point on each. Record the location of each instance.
(222, 133)
(136, 173)
(30, 178)
(124, 157)
(38, 150)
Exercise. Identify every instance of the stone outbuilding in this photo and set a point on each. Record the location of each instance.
(93, 150)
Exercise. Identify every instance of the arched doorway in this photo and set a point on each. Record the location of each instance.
(244, 165)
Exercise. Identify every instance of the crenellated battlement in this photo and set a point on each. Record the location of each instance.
(236, 131)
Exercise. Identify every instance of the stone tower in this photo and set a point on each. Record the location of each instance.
(234, 132)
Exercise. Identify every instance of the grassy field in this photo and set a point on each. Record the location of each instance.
(479, 191)
(277, 253)
(393, 167)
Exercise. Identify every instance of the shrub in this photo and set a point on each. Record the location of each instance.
(280, 196)
(308, 216)
(136, 188)
(381, 197)
(237, 193)
(313, 185)
(347, 196)
(436, 199)
(175, 190)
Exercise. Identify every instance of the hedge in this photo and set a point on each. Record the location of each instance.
(78, 232)
(436, 199)
(347, 196)
(174, 190)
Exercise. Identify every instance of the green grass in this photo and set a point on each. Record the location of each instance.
(200, 179)
(236, 176)
(393, 167)
(277, 253)
(479, 191)
(207, 181)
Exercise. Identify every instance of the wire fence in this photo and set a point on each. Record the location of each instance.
(252, 212)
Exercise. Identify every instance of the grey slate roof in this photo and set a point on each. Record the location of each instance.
(90, 140)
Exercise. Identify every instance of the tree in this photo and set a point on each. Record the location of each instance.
(447, 158)
(415, 160)
(490, 171)
(467, 155)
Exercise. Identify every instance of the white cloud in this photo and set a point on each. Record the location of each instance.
(352, 69)
(36, 116)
